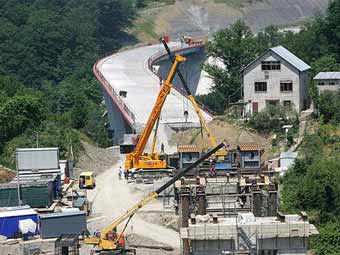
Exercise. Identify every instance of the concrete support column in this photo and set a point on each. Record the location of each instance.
(185, 203)
(202, 203)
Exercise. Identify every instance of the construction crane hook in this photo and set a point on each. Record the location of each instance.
(186, 115)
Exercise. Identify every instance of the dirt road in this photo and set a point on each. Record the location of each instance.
(113, 197)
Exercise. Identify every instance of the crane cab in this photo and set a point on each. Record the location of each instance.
(87, 180)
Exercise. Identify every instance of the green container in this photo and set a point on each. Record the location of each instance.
(35, 194)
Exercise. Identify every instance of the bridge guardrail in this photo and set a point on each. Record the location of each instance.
(131, 118)
(124, 108)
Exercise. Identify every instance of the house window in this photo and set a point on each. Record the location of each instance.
(287, 103)
(266, 75)
(271, 65)
(321, 83)
(260, 86)
(286, 86)
(331, 83)
(272, 102)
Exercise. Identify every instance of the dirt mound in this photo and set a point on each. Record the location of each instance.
(6, 174)
(204, 17)
(96, 159)
(232, 133)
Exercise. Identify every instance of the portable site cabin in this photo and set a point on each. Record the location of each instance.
(54, 225)
(10, 218)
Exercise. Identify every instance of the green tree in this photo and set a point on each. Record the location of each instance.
(326, 63)
(19, 113)
(234, 47)
(327, 243)
(329, 105)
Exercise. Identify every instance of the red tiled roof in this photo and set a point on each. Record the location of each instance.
(249, 147)
(187, 148)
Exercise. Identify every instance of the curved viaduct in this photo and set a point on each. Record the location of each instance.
(130, 81)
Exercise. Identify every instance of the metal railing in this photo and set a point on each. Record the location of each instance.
(123, 106)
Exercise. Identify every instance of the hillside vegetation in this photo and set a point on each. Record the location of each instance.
(312, 184)
(47, 90)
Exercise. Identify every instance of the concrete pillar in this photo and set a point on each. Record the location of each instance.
(185, 247)
(185, 214)
(185, 203)
(202, 203)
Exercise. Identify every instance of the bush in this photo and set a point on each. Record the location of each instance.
(329, 106)
(328, 242)
(272, 118)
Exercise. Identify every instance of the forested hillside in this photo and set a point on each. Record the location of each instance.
(47, 89)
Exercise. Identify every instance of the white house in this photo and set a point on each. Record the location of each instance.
(275, 77)
(327, 81)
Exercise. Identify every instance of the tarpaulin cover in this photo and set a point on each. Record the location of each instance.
(27, 226)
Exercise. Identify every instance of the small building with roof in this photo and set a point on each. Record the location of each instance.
(275, 77)
(250, 155)
(327, 81)
(188, 154)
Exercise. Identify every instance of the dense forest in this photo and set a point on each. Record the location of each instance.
(313, 183)
(47, 88)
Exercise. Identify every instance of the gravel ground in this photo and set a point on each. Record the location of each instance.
(113, 197)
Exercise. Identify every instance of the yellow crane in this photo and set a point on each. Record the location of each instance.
(152, 161)
(109, 241)
(197, 109)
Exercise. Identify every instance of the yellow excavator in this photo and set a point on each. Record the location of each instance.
(110, 241)
(138, 159)
(212, 140)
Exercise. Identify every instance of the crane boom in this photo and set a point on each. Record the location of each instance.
(105, 244)
(133, 159)
(191, 98)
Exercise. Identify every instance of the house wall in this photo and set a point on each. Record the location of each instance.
(327, 86)
(304, 91)
(254, 74)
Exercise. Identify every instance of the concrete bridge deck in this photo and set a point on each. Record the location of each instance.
(133, 72)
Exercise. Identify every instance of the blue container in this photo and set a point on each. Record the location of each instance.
(9, 220)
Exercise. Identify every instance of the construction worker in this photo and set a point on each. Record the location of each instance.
(162, 148)
(212, 169)
(120, 171)
(97, 233)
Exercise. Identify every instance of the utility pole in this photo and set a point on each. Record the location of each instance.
(37, 132)
(18, 179)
